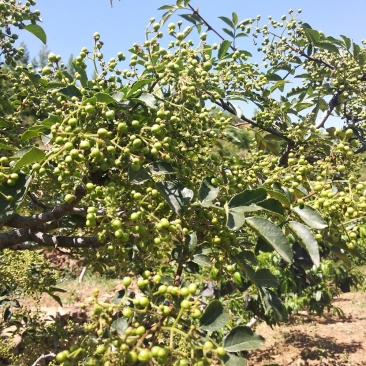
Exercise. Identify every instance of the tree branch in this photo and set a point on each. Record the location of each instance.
(228, 107)
(208, 25)
(43, 357)
(37, 201)
(20, 239)
(331, 105)
(311, 58)
(57, 213)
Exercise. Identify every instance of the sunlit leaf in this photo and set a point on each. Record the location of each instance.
(28, 156)
(120, 326)
(223, 48)
(148, 99)
(307, 240)
(310, 217)
(38, 31)
(242, 338)
(272, 234)
(207, 192)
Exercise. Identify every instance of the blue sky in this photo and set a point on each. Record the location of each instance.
(70, 24)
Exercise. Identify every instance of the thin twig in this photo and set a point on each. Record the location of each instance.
(227, 106)
(331, 105)
(208, 25)
(82, 274)
(43, 357)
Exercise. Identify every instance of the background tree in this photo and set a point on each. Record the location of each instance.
(128, 171)
(42, 60)
(70, 67)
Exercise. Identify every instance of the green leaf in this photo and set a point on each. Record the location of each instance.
(120, 326)
(307, 240)
(33, 132)
(272, 205)
(28, 156)
(175, 194)
(118, 96)
(234, 17)
(228, 32)
(7, 147)
(279, 196)
(342, 256)
(233, 360)
(82, 72)
(248, 197)
(138, 177)
(17, 192)
(38, 31)
(356, 50)
(148, 99)
(187, 31)
(56, 298)
(34, 78)
(4, 123)
(207, 192)
(247, 256)
(105, 98)
(240, 203)
(272, 234)
(7, 107)
(242, 338)
(264, 278)
(71, 91)
(160, 168)
(327, 46)
(245, 264)
(214, 317)
(138, 86)
(273, 77)
(273, 304)
(234, 219)
(52, 119)
(223, 48)
(227, 21)
(310, 217)
(118, 296)
(202, 260)
(166, 7)
(192, 18)
(312, 35)
(347, 42)
(190, 242)
(278, 85)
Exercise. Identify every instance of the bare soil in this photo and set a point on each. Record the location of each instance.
(322, 341)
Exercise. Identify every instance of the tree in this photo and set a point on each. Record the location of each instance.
(128, 171)
(70, 67)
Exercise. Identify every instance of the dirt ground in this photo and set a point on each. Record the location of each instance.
(320, 341)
